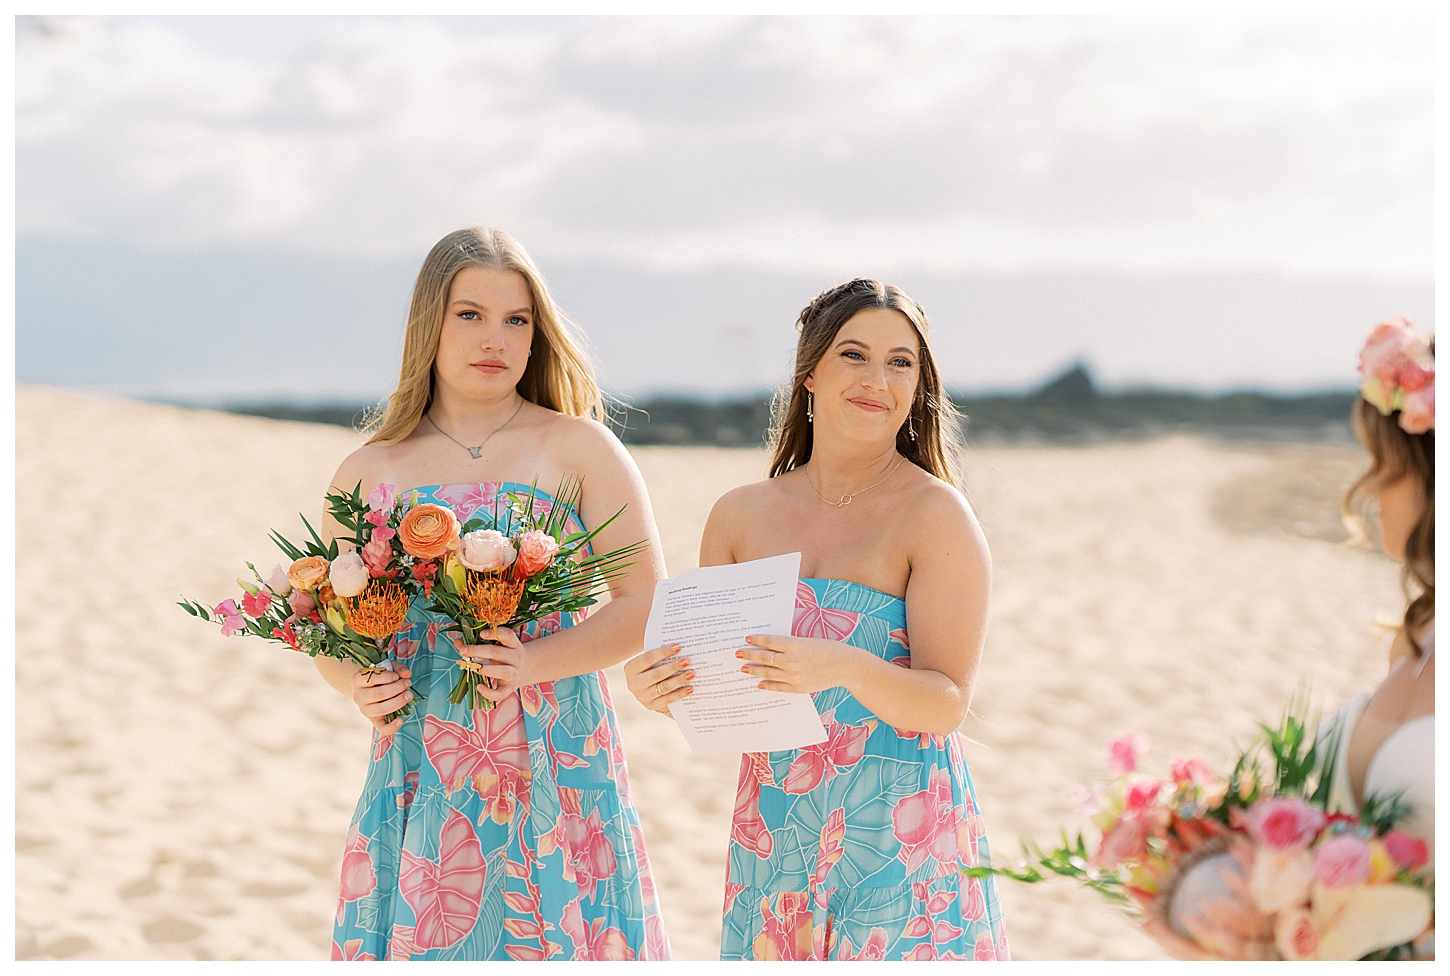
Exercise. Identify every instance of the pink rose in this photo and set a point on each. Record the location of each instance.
(536, 552)
(485, 550)
(278, 582)
(1342, 862)
(1284, 823)
(1295, 935)
(1418, 413)
(1280, 879)
(255, 604)
(1142, 794)
(1193, 771)
(303, 605)
(382, 499)
(1125, 751)
(1409, 852)
(376, 555)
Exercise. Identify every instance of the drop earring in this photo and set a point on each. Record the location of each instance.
(810, 405)
(910, 427)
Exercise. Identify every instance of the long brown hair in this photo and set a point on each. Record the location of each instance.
(1395, 453)
(936, 448)
(558, 376)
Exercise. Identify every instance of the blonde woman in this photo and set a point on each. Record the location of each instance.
(505, 833)
(852, 849)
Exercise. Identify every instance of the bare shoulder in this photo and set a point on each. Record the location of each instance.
(746, 499)
(942, 522)
(589, 446)
(368, 466)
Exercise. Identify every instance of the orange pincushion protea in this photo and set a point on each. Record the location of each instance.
(378, 611)
(493, 597)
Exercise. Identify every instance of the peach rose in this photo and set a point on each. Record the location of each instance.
(1295, 935)
(485, 550)
(536, 552)
(428, 531)
(1280, 879)
(349, 574)
(308, 573)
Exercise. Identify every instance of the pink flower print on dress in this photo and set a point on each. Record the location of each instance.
(984, 950)
(445, 894)
(641, 858)
(731, 890)
(873, 951)
(592, 941)
(657, 943)
(381, 745)
(833, 833)
(358, 878)
(785, 937)
(974, 901)
(494, 754)
(467, 499)
(410, 789)
(926, 824)
(401, 946)
(348, 952)
(813, 765)
(588, 851)
(813, 620)
(403, 648)
(748, 827)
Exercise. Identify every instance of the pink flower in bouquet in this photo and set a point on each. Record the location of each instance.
(424, 570)
(303, 605)
(256, 604)
(1284, 823)
(382, 499)
(1295, 935)
(1125, 751)
(1342, 862)
(278, 582)
(1280, 879)
(1126, 840)
(1193, 772)
(485, 550)
(1142, 793)
(286, 633)
(1409, 852)
(349, 575)
(376, 554)
(383, 533)
(232, 620)
(536, 552)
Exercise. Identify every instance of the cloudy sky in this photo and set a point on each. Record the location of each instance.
(235, 207)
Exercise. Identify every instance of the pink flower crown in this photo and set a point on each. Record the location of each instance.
(1398, 366)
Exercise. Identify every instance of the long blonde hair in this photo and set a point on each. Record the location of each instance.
(1395, 453)
(559, 374)
(936, 446)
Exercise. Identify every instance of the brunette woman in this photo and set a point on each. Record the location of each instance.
(505, 833)
(852, 849)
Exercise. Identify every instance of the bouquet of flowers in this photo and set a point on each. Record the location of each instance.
(346, 605)
(1249, 865)
(524, 566)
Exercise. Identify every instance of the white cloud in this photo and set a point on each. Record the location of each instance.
(1303, 145)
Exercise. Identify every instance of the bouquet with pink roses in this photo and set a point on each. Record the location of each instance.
(1249, 866)
(520, 566)
(345, 605)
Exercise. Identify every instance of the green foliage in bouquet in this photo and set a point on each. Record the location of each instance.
(542, 570)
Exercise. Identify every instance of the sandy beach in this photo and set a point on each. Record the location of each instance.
(184, 796)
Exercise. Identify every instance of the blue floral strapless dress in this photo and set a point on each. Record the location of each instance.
(501, 834)
(852, 849)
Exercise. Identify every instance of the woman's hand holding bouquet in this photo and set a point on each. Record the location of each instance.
(344, 605)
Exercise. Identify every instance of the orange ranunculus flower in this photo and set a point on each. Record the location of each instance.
(308, 573)
(428, 531)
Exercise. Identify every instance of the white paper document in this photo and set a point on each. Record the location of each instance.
(709, 612)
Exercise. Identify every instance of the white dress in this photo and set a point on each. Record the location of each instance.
(1404, 764)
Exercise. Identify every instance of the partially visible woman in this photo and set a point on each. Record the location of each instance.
(1385, 739)
(507, 833)
(1380, 743)
(852, 849)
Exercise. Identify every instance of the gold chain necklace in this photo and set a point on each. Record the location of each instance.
(475, 451)
(846, 499)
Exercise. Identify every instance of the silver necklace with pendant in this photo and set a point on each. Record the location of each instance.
(475, 451)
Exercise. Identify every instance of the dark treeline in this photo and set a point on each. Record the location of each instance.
(1069, 409)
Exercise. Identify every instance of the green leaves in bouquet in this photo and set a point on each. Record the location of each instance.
(1383, 812)
(347, 510)
(1285, 760)
(1069, 860)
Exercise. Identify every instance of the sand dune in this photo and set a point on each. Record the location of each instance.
(184, 796)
